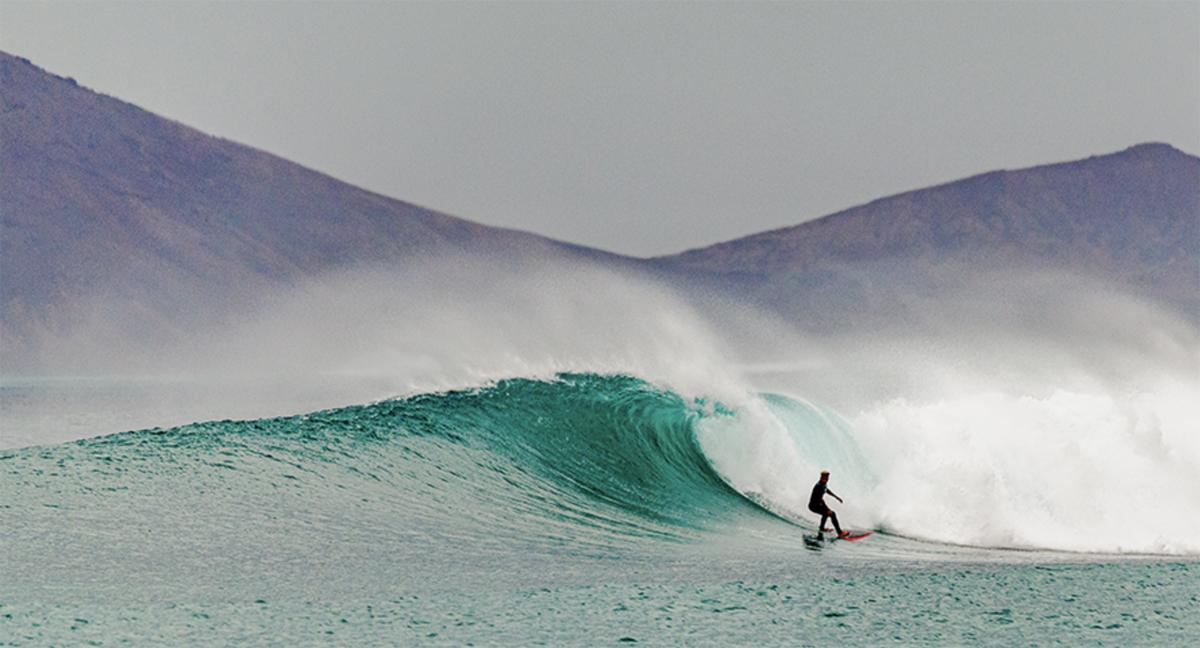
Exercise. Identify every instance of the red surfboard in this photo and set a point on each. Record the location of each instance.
(851, 536)
(815, 542)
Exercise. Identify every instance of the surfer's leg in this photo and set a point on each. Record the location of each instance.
(836, 527)
(824, 518)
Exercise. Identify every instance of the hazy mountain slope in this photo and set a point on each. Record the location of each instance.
(1132, 217)
(104, 203)
(99, 197)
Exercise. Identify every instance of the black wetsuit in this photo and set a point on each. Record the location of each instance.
(816, 504)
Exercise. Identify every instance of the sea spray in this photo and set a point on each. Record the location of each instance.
(1070, 471)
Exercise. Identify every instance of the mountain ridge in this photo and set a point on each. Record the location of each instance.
(100, 197)
(1144, 146)
(8, 58)
(1131, 218)
(102, 200)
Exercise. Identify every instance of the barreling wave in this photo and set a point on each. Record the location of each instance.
(591, 464)
(583, 462)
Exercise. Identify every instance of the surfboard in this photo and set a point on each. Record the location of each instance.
(817, 541)
(855, 535)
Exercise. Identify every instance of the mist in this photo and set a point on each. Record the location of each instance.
(357, 336)
(449, 322)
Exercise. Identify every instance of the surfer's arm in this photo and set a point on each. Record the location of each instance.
(833, 495)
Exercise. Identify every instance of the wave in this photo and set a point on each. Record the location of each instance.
(583, 461)
(608, 462)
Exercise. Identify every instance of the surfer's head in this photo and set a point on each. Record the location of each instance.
(824, 475)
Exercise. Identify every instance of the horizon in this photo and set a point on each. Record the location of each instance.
(630, 178)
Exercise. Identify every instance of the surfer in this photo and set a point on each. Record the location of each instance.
(816, 504)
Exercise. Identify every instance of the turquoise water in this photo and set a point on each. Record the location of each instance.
(585, 509)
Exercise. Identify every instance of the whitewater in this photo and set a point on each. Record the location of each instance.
(583, 457)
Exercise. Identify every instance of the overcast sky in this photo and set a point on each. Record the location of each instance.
(642, 128)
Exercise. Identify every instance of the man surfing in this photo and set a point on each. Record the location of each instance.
(816, 504)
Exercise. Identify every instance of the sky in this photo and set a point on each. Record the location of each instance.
(642, 128)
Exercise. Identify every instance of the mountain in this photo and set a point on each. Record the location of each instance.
(102, 202)
(1131, 218)
(98, 196)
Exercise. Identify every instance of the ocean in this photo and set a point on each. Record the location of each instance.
(610, 509)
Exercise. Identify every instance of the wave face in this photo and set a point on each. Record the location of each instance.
(603, 456)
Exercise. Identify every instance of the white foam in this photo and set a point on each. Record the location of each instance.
(1071, 471)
